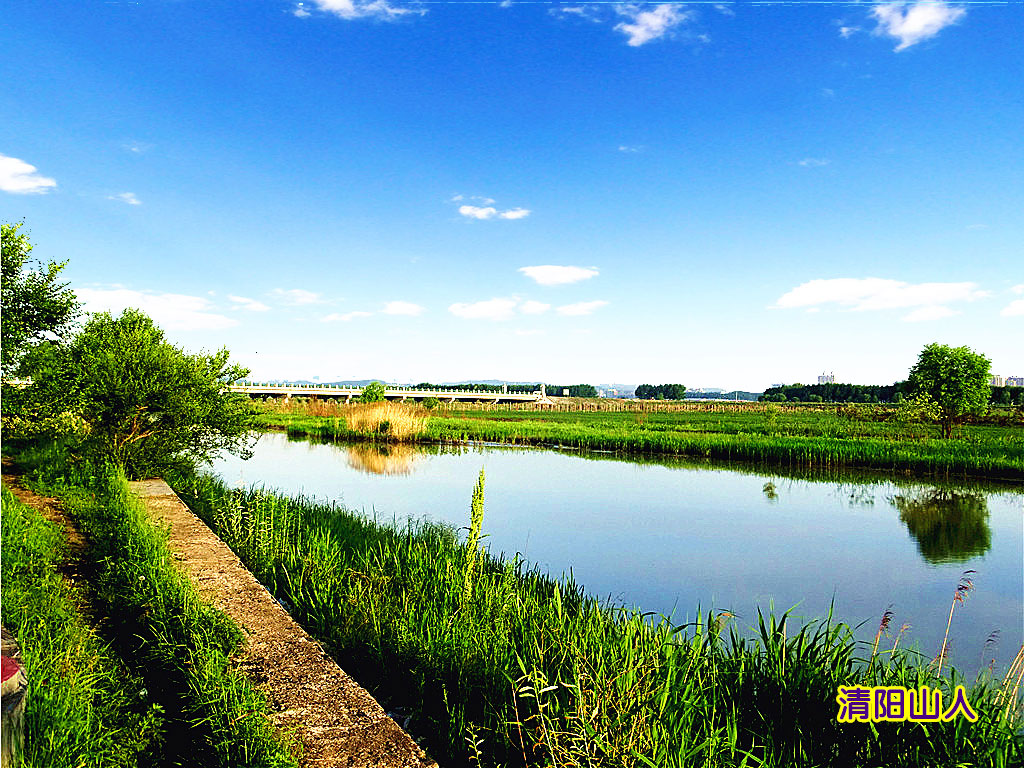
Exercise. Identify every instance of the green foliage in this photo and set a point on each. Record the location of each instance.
(533, 671)
(83, 708)
(372, 393)
(575, 390)
(147, 404)
(956, 379)
(476, 523)
(430, 403)
(35, 306)
(660, 392)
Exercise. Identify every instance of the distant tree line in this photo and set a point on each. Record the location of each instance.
(736, 394)
(575, 390)
(868, 393)
(660, 392)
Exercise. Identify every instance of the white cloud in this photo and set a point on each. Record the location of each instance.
(534, 307)
(297, 296)
(933, 312)
(928, 300)
(402, 308)
(360, 9)
(301, 12)
(581, 308)
(588, 12)
(724, 9)
(630, 148)
(20, 178)
(126, 197)
(137, 147)
(1017, 288)
(812, 162)
(530, 332)
(845, 32)
(251, 305)
(171, 311)
(488, 211)
(1014, 309)
(646, 25)
(492, 309)
(550, 274)
(336, 317)
(916, 22)
(475, 212)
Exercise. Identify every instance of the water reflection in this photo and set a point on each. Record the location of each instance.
(949, 526)
(382, 459)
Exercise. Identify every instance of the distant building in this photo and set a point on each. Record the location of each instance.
(1015, 381)
(996, 381)
(827, 378)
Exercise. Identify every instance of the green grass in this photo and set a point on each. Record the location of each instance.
(164, 631)
(830, 438)
(496, 663)
(82, 707)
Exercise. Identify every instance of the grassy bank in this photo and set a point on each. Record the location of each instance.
(498, 664)
(845, 437)
(82, 707)
(169, 637)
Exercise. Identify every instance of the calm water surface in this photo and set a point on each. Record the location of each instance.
(669, 538)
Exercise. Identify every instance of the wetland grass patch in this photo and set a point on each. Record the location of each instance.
(494, 663)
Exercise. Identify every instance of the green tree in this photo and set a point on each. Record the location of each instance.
(372, 393)
(148, 406)
(956, 379)
(35, 306)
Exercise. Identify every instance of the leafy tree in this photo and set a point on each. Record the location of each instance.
(372, 393)
(35, 306)
(956, 379)
(148, 406)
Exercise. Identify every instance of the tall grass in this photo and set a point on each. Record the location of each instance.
(396, 421)
(82, 706)
(168, 635)
(496, 663)
(771, 435)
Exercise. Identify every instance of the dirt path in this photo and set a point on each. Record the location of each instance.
(337, 721)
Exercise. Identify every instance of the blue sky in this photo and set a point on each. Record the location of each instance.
(726, 195)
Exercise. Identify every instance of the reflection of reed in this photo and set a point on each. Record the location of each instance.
(392, 459)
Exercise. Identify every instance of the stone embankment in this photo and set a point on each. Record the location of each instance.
(338, 723)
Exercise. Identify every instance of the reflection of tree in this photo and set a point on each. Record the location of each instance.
(949, 526)
(380, 459)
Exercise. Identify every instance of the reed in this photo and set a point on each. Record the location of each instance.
(394, 421)
(526, 669)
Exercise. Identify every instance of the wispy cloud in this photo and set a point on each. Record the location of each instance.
(847, 31)
(492, 309)
(357, 9)
(1014, 309)
(171, 311)
(347, 317)
(534, 307)
(550, 274)
(630, 148)
(20, 178)
(126, 197)
(928, 300)
(581, 308)
(914, 22)
(812, 162)
(250, 305)
(296, 296)
(724, 9)
(1017, 288)
(644, 25)
(486, 210)
(137, 147)
(403, 308)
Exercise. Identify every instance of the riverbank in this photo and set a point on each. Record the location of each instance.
(498, 663)
(789, 436)
(126, 665)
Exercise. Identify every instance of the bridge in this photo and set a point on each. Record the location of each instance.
(402, 394)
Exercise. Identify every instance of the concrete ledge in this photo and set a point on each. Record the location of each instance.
(336, 720)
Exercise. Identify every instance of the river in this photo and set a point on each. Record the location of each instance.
(669, 537)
